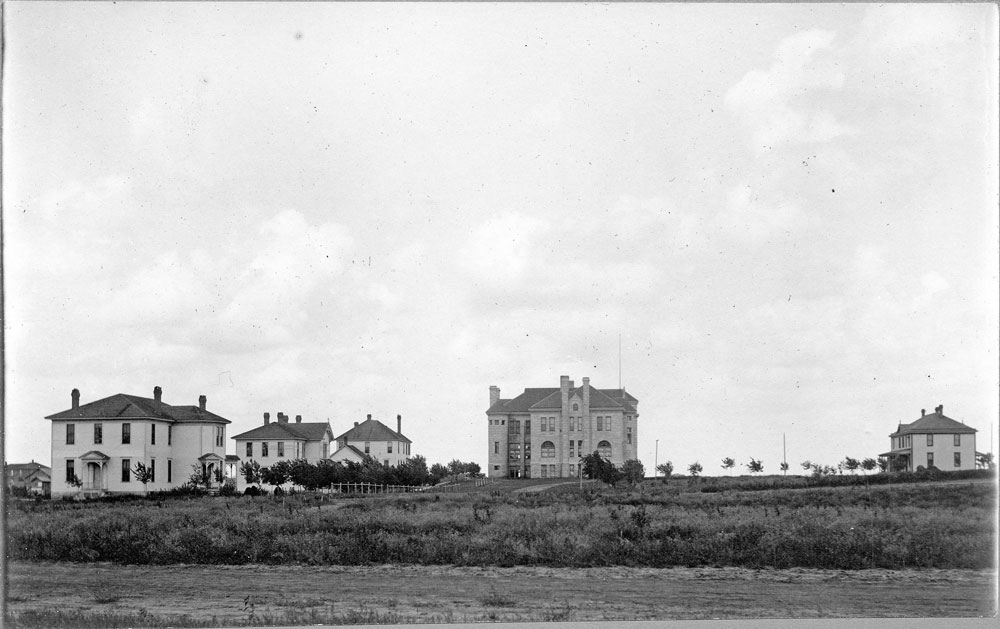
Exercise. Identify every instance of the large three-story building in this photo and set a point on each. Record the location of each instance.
(544, 432)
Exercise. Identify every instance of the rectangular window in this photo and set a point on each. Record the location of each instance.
(572, 470)
(99, 433)
(368, 447)
(70, 472)
(496, 468)
(545, 471)
(607, 423)
(571, 447)
(527, 426)
(514, 451)
(552, 424)
(326, 449)
(152, 470)
(263, 449)
(170, 465)
(545, 424)
(152, 434)
(281, 448)
(126, 433)
(930, 459)
(389, 447)
(958, 440)
(221, 437)
(250, 449)
(958, 459)
(126, 470)
(552, 470)
(70, 434)
(628, 433)
(496, 447)
(572, 423)
(600, 423)
(930, 440)
(170, 435)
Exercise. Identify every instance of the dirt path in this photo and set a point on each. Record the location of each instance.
(285, 594)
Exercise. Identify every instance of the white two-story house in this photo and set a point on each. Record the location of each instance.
(96, 446)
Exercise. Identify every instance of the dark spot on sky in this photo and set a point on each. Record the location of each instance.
(298, 34)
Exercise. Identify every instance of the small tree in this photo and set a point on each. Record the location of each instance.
(851, 465)
(277, 474)
(755, 466)
(666, 469)
(883, 464)
(869, 464)
(728, 463)
(806, 465)
(74, 481)
(143, 474)
(784, 467)
(251, 473)
(695, 469)
(199, 478)
(438, 472)
(984, 460)
(633, 471)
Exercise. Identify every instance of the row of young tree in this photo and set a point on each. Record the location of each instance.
(848, 464)
(326, 473)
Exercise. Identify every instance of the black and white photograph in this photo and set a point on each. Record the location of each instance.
(615, 314)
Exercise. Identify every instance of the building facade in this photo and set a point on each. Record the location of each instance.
(282, 440)
(96, 446)
(374, 439)
(544, 432)
(34, 478)
(932, 441)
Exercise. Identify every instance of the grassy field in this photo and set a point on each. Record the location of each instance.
(657, 525)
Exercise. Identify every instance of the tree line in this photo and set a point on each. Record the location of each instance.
(326, 473)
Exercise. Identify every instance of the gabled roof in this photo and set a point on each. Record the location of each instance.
(349, 449)
(547, 398)
(122, 406)
(372, 430)
(298, 431)
(27, 467)
(933, 423)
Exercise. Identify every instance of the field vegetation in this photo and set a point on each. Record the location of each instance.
(754, 523)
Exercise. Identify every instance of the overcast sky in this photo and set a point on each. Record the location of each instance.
(788, 213)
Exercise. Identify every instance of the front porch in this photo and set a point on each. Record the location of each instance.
(899, 460)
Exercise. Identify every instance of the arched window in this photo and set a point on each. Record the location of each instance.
(548, 450)
(604, 449)
(576, 407)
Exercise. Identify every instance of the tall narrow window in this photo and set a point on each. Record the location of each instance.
(170, 435)
(70, 434)
(152, 470)
(281, 448)
(628, 434)
(496, 447)
(250, 449)
(600, 423)
(98, 433)
(70, 472)
(170, 465)
(571, 448)
(572, 423)
(368, 447)
(126, 433)
(607, 423)
(152, 434)
(389, 447)
(263, 449)
(126, 470)
(958, 459)
(552, 424)
(930, 459)
(930, 440)
(958, 440)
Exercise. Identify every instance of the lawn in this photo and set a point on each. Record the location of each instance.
(655, 525)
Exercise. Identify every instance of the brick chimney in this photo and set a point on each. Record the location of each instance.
(494, 395)
(157, 393)
(298, 419)
(369, 416)
(356, 423)
(75, 395)
(399, 424)
(282, 418)
(564, 391)
(586, 395)
(923, 412)
(940, 409)
(267, 418)
(201, 401)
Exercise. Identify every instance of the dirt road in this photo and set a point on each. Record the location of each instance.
(284, 594)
